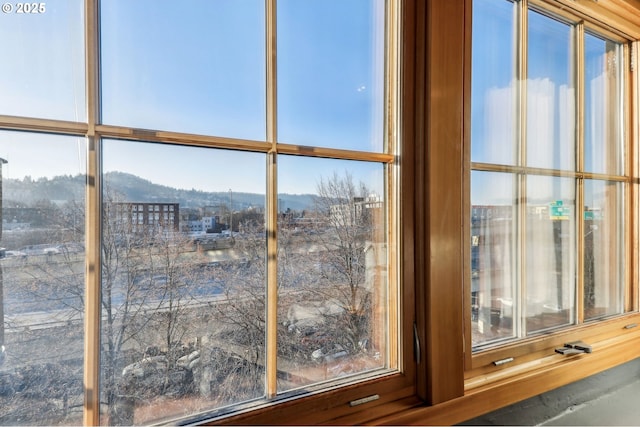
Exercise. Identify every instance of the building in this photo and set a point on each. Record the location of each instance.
(357, 211)
(203, 225)
(145, 217)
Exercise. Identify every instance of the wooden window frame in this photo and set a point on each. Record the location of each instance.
(467, 392)
(538, 369)
(399, 382)
(434, 112)
(526, 351)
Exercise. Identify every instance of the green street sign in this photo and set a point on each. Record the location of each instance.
(557, 211)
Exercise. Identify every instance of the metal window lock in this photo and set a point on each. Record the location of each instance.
(575, 347)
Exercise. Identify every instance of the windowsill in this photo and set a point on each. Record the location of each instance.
(530, 350)
(486, 393)
(392, 391)
(550, 361)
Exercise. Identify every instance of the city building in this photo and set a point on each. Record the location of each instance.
(145, 217)
(203, 225)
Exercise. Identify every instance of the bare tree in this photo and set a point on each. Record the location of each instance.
(150, 284)
(45, 319)
(347, 229)
(157, 297)
(324, 284)
(241, 314)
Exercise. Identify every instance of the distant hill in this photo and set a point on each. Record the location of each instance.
(132, 188)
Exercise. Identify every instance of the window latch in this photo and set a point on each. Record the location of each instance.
(575, 347)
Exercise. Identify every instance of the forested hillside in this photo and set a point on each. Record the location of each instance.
(28, 192)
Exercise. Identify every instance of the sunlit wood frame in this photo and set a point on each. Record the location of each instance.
(522, 348)
(536, 368)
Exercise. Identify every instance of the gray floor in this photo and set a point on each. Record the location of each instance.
(618, 408)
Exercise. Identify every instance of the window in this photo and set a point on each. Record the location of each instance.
(550, 176)
(315, 162)
(215, 219)
(44, 74)
(42, 276)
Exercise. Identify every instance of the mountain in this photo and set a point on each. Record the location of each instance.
(132, 188)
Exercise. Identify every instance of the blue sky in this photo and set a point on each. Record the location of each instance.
(43, 64)
(198, 66)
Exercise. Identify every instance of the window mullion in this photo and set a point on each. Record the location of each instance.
(271, 71)
(521, 76)
(272, 277)
(521, 33)
(580, 96)
(580, 249)
(632, 139)
(92, 286)
(579, 61)
(272, 205)
(394, 230)
(93, 262)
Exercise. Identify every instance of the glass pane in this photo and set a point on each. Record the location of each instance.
(603, 110)
(41, 278)
(183, 280)
(332, 283)
(603, 249)
(550, 248)
(192, 66)
(550, 94)
(331, 73)
(493, 257)
(42, 73)
(493, 95)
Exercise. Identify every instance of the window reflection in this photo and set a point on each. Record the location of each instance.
(603, 89)
(525, 256)
(604, 251)
(494, 298)
(493, 83)
(503, 306)
(550, 253)
(550, 94)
